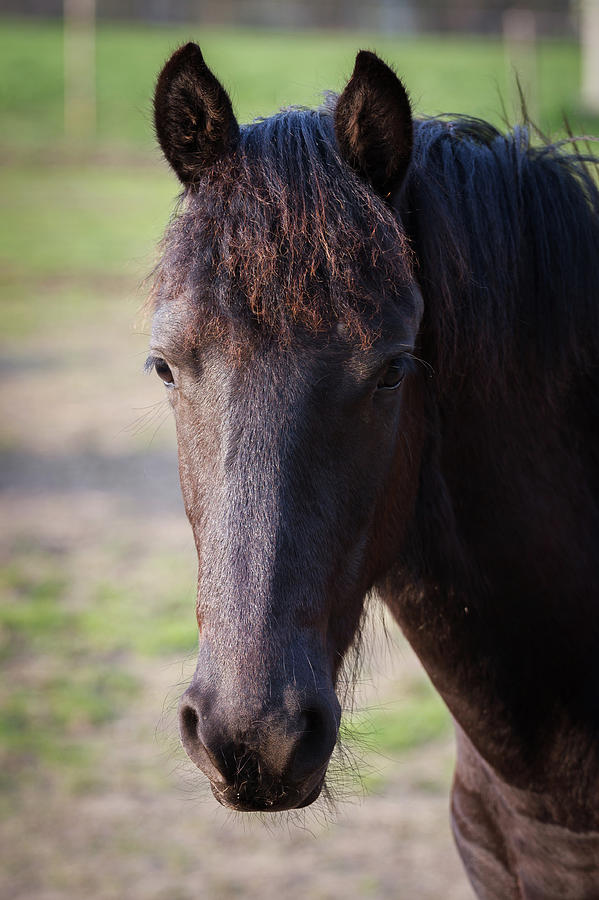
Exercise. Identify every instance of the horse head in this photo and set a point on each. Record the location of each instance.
(286, 318)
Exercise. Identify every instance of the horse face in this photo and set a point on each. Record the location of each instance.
(298, 447)
(297, 464)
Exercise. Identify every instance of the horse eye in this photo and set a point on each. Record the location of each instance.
(164, 372)
(392, 377)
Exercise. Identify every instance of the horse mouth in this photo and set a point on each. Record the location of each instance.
(275, 799)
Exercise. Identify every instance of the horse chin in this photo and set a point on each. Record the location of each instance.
(311, 797)
(271, 801)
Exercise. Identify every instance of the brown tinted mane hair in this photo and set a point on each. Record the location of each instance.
(282, 233)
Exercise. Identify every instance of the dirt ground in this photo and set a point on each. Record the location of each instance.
(89, 477)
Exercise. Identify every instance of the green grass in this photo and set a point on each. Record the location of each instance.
(81, 220)
(417, 717)
(66, 228)
(40, 616)
(55, 688)
(264, 70)
(32, 617)
(66, 648)
(74, 239)
(112, 621)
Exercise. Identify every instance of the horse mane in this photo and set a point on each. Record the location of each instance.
(505, 234)
(506, 237)
(507, 241)
(283, 233)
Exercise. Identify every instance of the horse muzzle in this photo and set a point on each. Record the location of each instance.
(261, 758)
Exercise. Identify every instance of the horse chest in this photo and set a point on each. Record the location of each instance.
(508, 854)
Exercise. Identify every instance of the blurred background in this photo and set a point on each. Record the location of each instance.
(97, 632)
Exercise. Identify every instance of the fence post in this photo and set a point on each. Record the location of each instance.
(79, 28)
(589, 39)
(520, 42)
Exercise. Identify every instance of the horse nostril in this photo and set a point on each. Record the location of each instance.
(188, 724)
(316, 741)
(201, 748)
(312, 722)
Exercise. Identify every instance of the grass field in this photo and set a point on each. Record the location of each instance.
(96, 624)
(264, 71)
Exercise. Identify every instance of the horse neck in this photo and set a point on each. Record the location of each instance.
(496, 584)
(495, 591)
(507, 518)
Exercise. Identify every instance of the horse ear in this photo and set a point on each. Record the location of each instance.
(373, 124)
(194, 119)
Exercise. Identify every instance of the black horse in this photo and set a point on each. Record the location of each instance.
(380, 340)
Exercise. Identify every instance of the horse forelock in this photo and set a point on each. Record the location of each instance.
(283, 234)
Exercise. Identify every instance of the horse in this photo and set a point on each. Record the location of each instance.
(380, 339)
